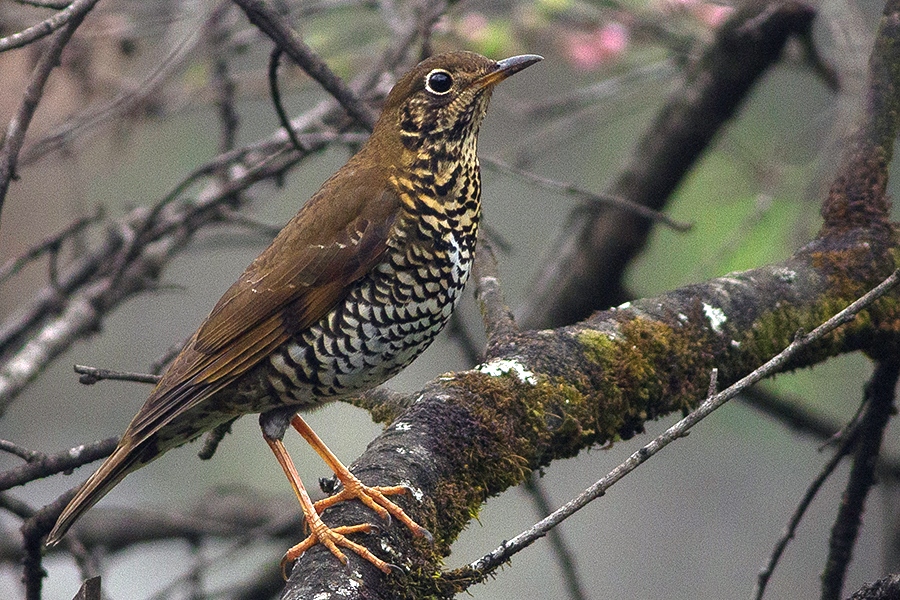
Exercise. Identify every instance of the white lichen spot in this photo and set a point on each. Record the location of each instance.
(351, 589)
(502, 366)
(76, 451)
(387, 547)
(321, 596)
(403, 425)
(716, 317)
(415, 492)
(682, 317)
(401, 450)
(624, 305)
(786, 275)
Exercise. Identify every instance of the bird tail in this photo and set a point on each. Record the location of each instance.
(120, 463)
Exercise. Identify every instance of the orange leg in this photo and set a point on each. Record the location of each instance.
(373, 497)
(320, 533)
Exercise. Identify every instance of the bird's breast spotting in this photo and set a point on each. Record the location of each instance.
(389, 317)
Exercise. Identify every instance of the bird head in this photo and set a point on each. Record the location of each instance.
(444, 98)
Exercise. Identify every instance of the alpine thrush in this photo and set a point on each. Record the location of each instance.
(353, 288)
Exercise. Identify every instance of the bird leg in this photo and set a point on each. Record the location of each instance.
(373, 497)
(320, 533)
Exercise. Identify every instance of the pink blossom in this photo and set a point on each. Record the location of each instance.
(589, 50)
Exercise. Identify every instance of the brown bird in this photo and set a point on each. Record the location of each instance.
(353, 288)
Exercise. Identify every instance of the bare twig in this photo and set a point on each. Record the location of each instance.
(47, 26)
(275, 94)
(790, 412)
(54, 4)
(276, 27)
(33, 531)
(565, 558)
(20, 451)
(223, 82)
(92, 375)
(611, 87)
(787, 534)
(43, 465)
(879, 408)
(16, 507)
(51, 245)
(583, 194)
(15, 131)
(121, 104)
(497, 318)
(482, 567)
(126, 263)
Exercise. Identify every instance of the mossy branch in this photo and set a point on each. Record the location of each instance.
(548, 394)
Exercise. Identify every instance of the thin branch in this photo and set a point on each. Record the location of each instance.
(15, 131)
(92, 375)
(611, 87)
(127, 263)
(274, 25)
(787, 534)
(223, 81)
(54, 4)
(33, 531)
(791, 412)
(51, 245)
(124, 103)
(43, 465)
(275, 94)
(482, 567)
(497, 318)
(47, 26)
(879, 408)
(20, 451)
(565, 558)
(578, 192)
(16, 507)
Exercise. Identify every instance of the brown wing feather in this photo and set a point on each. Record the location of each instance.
(290, 286)
(295, 282)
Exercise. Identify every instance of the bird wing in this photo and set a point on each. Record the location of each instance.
(307, 270)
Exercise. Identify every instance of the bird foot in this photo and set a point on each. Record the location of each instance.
(375, 499)
(333, 539)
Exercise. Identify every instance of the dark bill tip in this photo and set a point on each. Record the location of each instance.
(514, 64)
(508, 66)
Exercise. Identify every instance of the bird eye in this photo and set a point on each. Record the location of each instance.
(438, 82)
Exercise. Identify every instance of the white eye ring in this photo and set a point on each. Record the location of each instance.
(438, 82)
